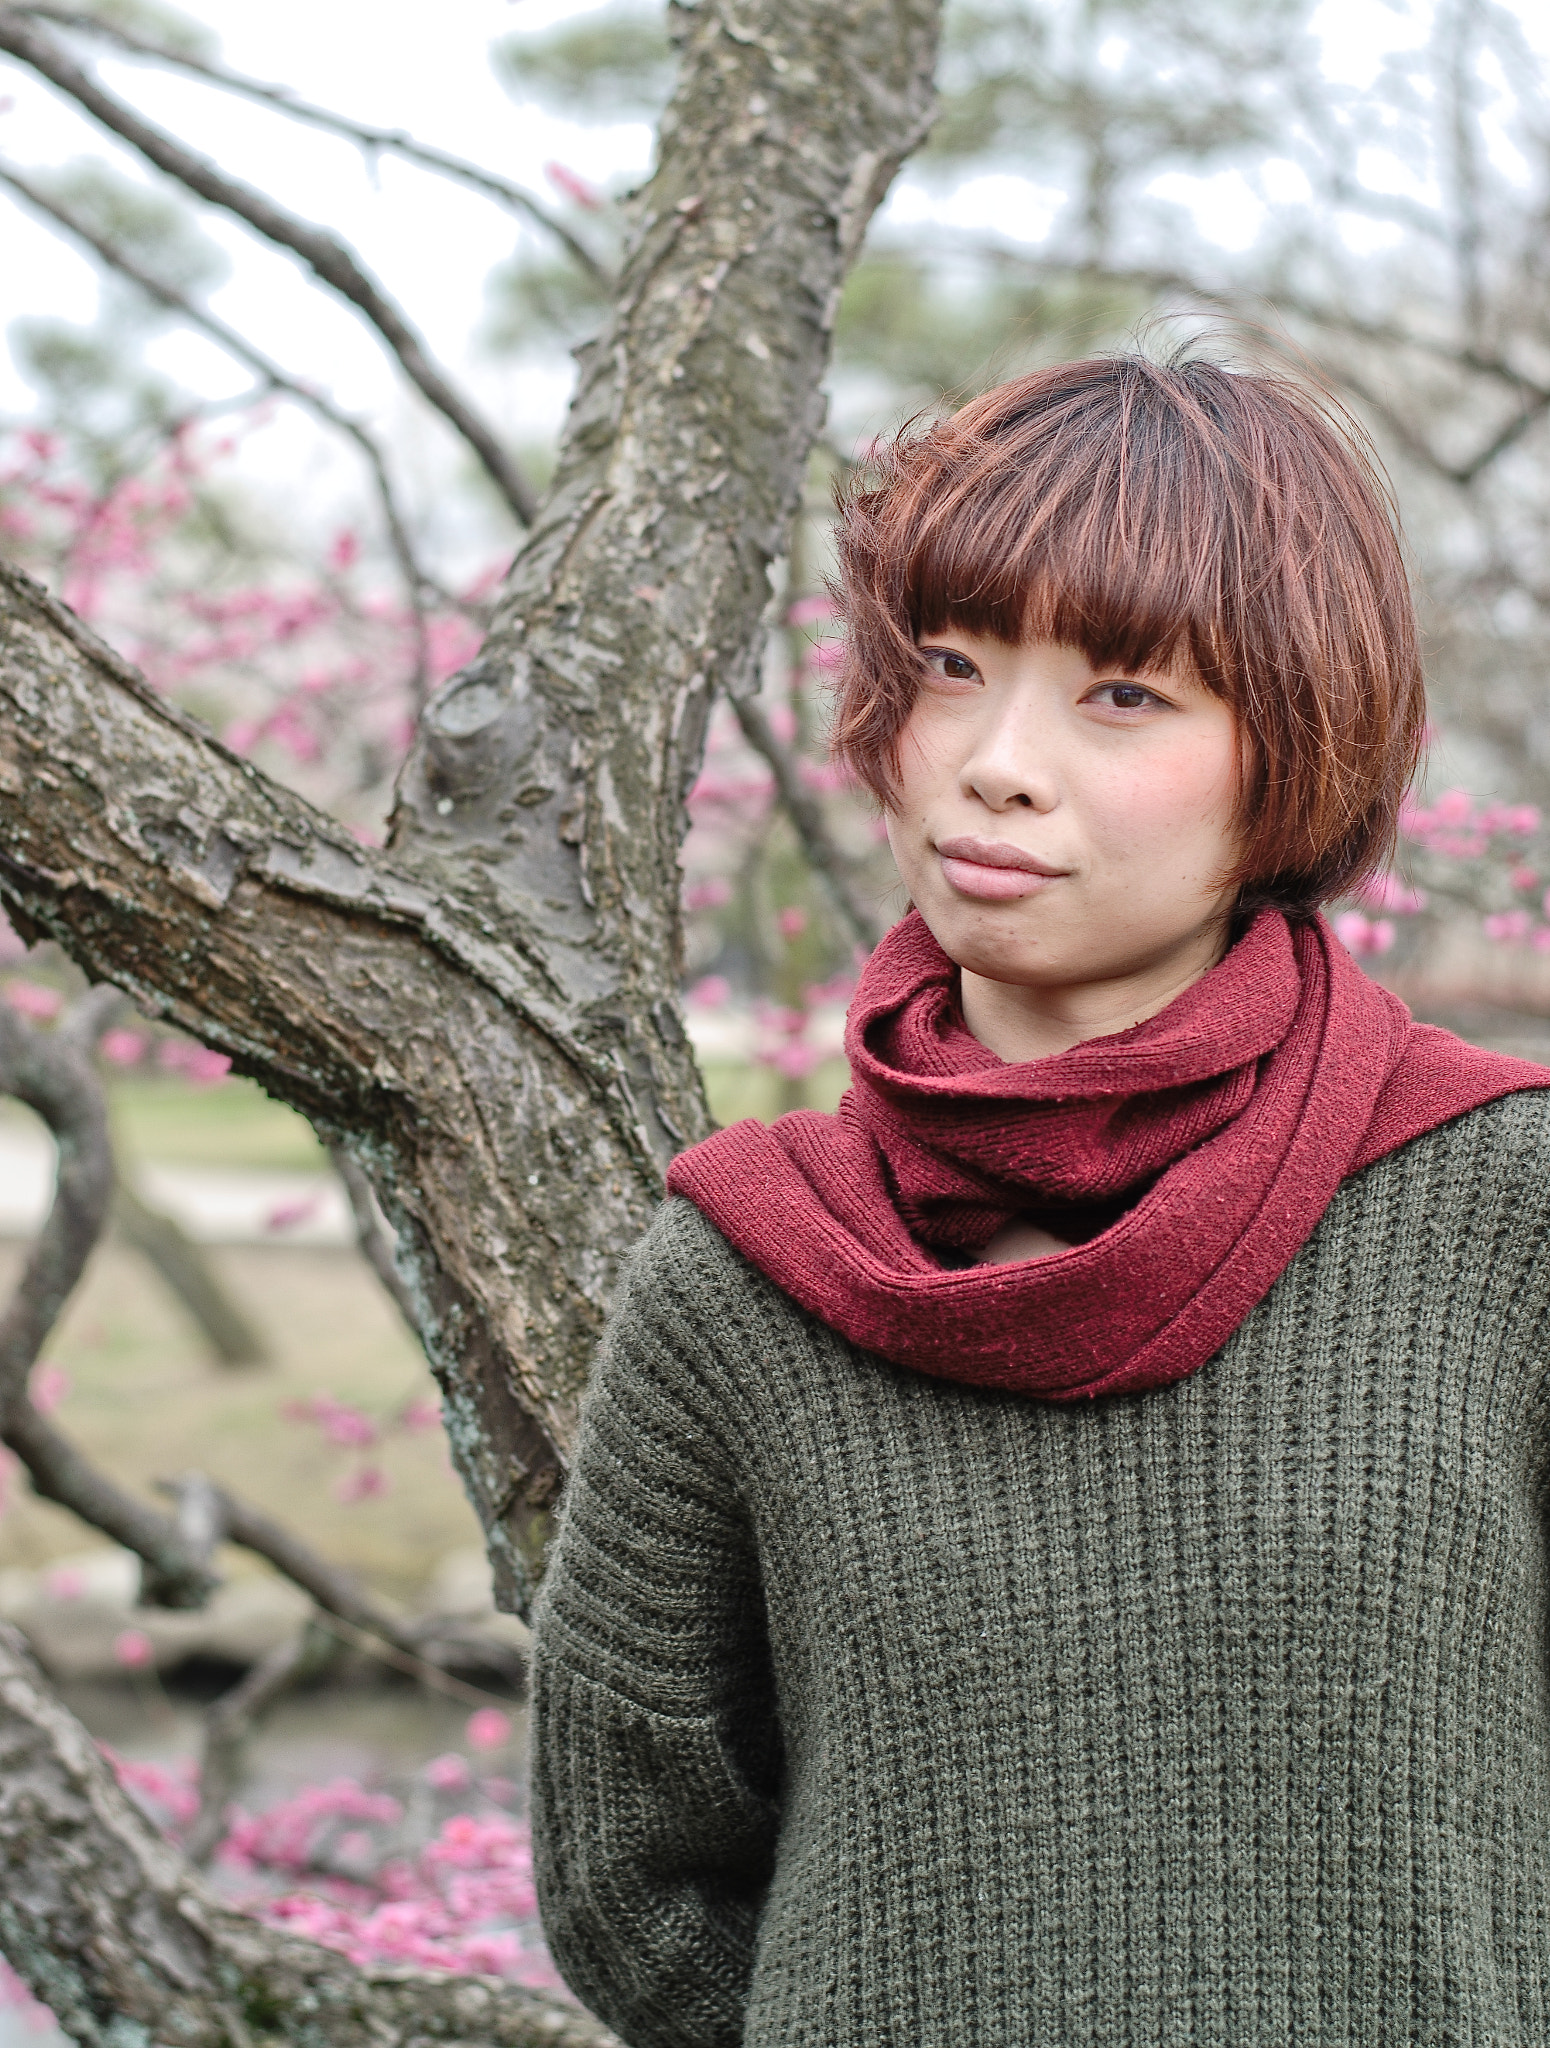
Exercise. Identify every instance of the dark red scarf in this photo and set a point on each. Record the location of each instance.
(1225, 1123)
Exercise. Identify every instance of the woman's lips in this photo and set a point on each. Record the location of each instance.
(993, 874)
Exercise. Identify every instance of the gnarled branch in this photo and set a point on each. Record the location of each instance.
(486, 1015)
(51, 1073)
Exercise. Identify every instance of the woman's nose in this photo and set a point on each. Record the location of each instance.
(1008, 770)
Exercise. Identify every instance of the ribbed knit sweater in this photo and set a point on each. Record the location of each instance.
(872, 1711)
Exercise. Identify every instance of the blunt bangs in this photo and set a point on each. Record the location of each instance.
(1141, 513)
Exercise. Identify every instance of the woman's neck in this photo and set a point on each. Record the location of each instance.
(1021, 1023)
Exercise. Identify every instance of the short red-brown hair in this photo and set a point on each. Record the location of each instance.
(1140, 512)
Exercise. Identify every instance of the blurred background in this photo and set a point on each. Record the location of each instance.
(217, 462)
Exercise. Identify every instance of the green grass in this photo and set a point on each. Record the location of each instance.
(232, 1124)
(143, 1401)
(235, 1124)
(737, 1089)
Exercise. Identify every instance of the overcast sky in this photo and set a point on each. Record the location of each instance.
(401, 63)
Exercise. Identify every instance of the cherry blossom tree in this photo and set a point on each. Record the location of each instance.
(481, 1017)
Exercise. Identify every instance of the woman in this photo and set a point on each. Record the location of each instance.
(1057, 1551)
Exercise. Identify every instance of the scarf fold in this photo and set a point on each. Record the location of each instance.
(1221, 1129)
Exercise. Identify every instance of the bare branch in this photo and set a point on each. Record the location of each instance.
(373, 141)
(237, 345)
(489, 1008)
(182, 1265)
(327, 257)
(371, 1237)
(228, 1723)
(51, 1073)
(336, 1592)
(807, 818)
(116, 1933)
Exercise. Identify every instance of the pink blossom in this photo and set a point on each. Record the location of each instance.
(566, 181)
(123, 1048)
(1388, 892)
(287, 1215)
(16, 1997)
(792, 922)
(65, 1583)
(1523, 876)
(712, 992)
(366, 1482)
(169, 1793)
(351, 1428)
(1508, 926)
(420, 1414)
(1363, 935)
(449, 1773)
(795, 1060)
(807, 611)
(710, 894)
(345, 552)
(50, 1385)
(488, 1728)
(839, 988)
(826, 654)
(196, 1063)
(132, 1648)
(31, 999)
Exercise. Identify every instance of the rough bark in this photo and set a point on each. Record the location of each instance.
(486, 1015)
(111, 1926)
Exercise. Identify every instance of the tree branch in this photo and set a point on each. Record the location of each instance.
(183, 1267)
(372, 141)
(486, 1015)
(51, 1073)
(807, 818)
(228, 1722)
(370, 1237)
(327, 257)
(416, 581)
(116, 1934)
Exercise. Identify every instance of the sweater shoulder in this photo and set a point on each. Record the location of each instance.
(684, 1270)
(1508, 1138)
(691, 1318)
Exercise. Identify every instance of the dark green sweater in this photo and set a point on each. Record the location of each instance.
(876, 1712)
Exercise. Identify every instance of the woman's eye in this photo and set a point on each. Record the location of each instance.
(1126, 696)
(956, 667)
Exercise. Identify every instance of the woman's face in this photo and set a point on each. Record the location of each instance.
(1066, 833)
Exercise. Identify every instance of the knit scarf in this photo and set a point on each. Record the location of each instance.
(1195, 1153)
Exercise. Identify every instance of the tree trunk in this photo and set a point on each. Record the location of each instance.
(485, 1016)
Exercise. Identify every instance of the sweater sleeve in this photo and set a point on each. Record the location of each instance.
(655, 1752)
